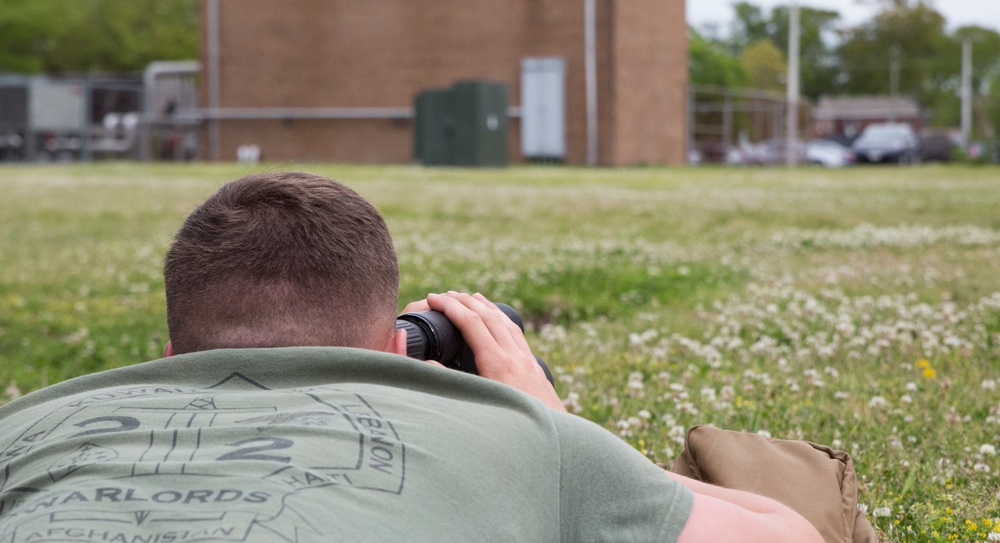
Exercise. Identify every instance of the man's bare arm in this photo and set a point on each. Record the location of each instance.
(723, 514)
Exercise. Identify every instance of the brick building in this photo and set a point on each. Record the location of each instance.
(845, 117)
(335, 80)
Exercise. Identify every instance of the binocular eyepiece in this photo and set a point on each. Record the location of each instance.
(431, 336)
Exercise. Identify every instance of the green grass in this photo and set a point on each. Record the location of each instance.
(858, 308)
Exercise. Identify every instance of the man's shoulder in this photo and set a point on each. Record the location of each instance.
(285, 368)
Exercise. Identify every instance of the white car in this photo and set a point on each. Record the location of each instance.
(829, 153)
(887, 143)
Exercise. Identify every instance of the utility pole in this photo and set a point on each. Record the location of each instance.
(214, 132)
(590, 69)
(894, 71)
(966, 90)
(894, 54)
(792, 118)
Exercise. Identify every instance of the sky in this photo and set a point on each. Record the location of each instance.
(957, 13)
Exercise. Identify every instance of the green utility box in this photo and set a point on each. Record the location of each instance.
(433, 127)
(465, 125)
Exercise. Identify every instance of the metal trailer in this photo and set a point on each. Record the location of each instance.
(128, 116)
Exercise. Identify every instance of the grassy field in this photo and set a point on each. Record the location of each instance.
(856, 308)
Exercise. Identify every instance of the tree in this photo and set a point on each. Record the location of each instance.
(765, 65)
(711, 64)
(985, 45)
(817, 29)
(750, 25)
(898, 51)
(905, 49)
(95, 35)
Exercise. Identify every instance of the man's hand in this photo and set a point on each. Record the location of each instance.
(502, 354)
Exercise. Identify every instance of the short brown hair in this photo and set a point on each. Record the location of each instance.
(281, 259)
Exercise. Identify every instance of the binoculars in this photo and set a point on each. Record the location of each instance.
(431, 336)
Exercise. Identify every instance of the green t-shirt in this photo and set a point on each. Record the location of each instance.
(316, 444)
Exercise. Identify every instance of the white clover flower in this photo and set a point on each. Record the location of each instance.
(565, 378)
(988, 450)
(989, 384)
(635, 387)
(994, 536)
(687, 407)
(882, 512)
(878, 402)
(12, 391)
(572, 403)
(728, 393)
(76, 337)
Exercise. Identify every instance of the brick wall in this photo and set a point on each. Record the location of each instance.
(346, 53)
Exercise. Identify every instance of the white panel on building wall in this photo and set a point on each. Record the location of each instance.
(57, 105)
(543, 108)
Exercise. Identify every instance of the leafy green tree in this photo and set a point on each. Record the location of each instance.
(710, 63)
(985, 45)
(750, 25)
(906, 49)
(95, 35)
(900, 50)
(817, 31)
(765, 65)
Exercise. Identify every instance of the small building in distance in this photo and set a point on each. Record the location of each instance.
(845, 117)
(336, 80)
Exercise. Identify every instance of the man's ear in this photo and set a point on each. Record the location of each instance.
(168, 349)
(397, 343)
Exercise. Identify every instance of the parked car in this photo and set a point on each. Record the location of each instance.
(887, 143)
(772, 152)
(716, 152)
(829, 153)
(938, 147)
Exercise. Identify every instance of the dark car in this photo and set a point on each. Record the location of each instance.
(887, 143)
(937, 147)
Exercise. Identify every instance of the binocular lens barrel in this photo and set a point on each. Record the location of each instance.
(431, 336)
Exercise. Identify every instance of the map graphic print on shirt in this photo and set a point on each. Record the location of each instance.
(155, 463)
